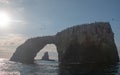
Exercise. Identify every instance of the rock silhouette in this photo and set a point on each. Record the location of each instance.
(87, 43)
(45, 56)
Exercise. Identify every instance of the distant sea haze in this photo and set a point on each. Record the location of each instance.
(6, 54)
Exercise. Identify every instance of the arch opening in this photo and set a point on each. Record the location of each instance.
(52, 52)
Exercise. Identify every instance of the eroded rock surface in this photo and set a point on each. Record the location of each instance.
(87, 43)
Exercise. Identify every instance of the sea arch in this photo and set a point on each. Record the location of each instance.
(87, 43)
(51, 49)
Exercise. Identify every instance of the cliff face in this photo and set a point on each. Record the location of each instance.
(87, 43)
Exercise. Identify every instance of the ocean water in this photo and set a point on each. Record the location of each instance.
(53, 68)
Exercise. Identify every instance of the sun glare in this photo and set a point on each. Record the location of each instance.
(4, 20)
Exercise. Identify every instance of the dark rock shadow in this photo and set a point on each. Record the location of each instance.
(88, 69)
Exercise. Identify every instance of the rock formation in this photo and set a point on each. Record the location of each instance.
(87, 43)
(26, 52)
(45, 56)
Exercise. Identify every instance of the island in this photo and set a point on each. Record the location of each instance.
(85, 43)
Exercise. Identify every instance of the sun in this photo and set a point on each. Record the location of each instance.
(4, 20)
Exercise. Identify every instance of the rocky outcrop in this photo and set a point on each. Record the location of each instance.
(26, 52)
(45, 56)
(87, 43)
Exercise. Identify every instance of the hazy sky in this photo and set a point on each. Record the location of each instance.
(30, 18)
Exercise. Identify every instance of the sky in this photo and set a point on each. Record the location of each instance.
(31, 18)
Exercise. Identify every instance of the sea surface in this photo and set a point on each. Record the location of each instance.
(53, 68)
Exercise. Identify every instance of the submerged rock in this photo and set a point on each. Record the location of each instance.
(87, 43)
